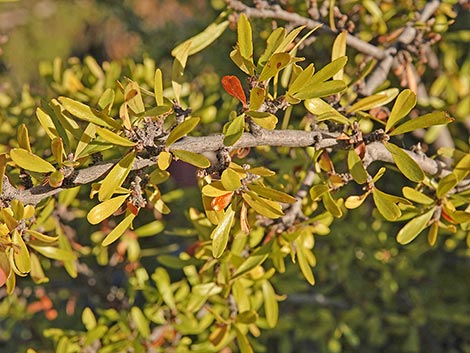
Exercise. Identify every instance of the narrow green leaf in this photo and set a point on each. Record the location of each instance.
(331, 205)
(201, 40)
(245, 37)
(86, 113)
(406, 100)
(197, 160)
(182, 129)
(271, 307)
(324, 111)
(405, 163)
(339, 50)
(411, 230)
(243, 343)
(304, 265)
(329, 70)
(52, 252)
(179, 63)
(422, 122)
(373, 101)
(21, 257)
(388, 209)
(116, 176)
(273, 42)
(47, 123)
(105, 209)
(150, 229)
(301, 80)
(318, 190)
(42, 237)
(106, 100)
(320, 89)
(221, 233)
(162, 280)
(255, 259)
(29, 161)
(114, 138)
(158, 87)
(446, 184)
(140, 321)
(356, 167)
(23, 138)
(58, 151)
(133, 98)
(272, 194)
(119, 230)
(268, 208)
(88, 135)
(37, 272)
(416, 196)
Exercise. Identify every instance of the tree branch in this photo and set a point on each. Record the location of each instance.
(319, 139)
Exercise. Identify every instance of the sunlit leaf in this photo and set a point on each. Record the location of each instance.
(86, 113)
(106, 100)
(47, 123)
(318, 190)
(354, 201)
(220, 202)
(214, 189)
(29, 161)
(301, 80)
(182, 129)
(52, 252)
(105, 209)
(220, 234)
(140, 321)
(321, 89)
(245, 37)
(339, 50)
(150, 229)
(119, 230)
(88, 319)
(233, 86)
(406, 100)
(268, 208)
(257, 96)
(275, 64)
(197, 160)
(416, 196)
(114, 138)
(230, 180)
(37, 272)
(373, 101)
(243, 343)
(324, 111)
(421, 122)
(162, 280)
(234, 130)
(158, 87)
(179, 63)
(42, 237)
(412, 229)
(21, 258)
(272, 194)
(304, 265)
(432, 234)
(255, 259)
(405, 163)
(23, 138)
(331, 205)
(116, 176)
(266, 120)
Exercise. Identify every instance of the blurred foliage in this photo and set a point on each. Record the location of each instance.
(160, 285)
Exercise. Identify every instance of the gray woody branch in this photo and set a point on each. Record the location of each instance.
(287, 138)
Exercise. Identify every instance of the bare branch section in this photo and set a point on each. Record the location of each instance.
(276, 12)
(276, 138)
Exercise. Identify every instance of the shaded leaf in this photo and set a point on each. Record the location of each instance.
(446, 184)
(162, 280)
(271, 307)
(331, 204)
(356, 168)
(234, 130)
(106, 100)
(387, 208)
(268, 208)
(255, 259)
(243, 343)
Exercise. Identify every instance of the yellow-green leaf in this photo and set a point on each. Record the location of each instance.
(257, 96)
(23, 138)
(58, 151)
(46, 122)
(318, 190)
(245, 37)
(234, 130)
(375, 100)
(416, 196)
(177, 71)
(116, 176)
(304, 265)
(356, 168)
(182, 129)
(37, 272)
(119, 230)
(406, 100)
(88, 134)
(268, 208)
(422, 122)
(275, 64)
(221, 233)
(164, 160)
(214, 189)
(321, 89)
(202, 40)
(42, 237)
(354, 201)
(230, 180)
(266, 120)
(432, 234)
(324, 111)
(301, 80)
(329, 70)
(29, 161)
(162, 280)
(86, 113)
(385, 205)
(88, 319)
(114, 138)
(133, 98)
(158, 87)
(446, 184)
(140, 321)
(405, 163)
(243, 343)
(106, 100)
(331, 205)
(22, 260)
(271, 307)
(412, 229)
(105, 209)
(197, 160)
(339, 50)
(272, 194)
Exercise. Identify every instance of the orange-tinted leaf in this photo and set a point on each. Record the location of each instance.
(220, 202)
(233, 86)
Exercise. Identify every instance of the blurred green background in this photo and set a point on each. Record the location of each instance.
(371, 295)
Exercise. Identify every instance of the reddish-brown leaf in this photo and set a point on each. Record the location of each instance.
(233, 86)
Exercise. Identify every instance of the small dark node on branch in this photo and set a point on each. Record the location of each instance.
(180, 113)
